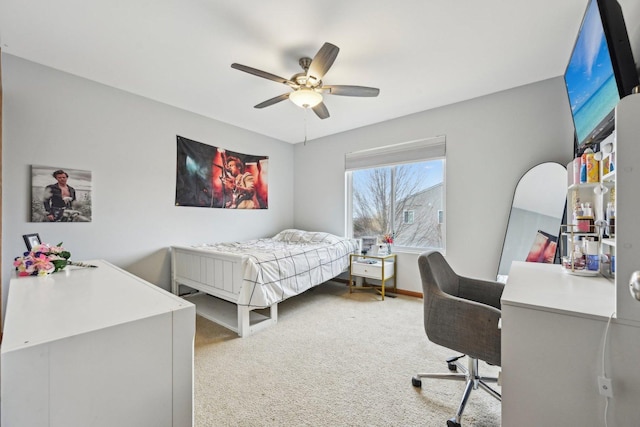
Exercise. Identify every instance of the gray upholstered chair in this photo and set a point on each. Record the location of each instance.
(461, 314)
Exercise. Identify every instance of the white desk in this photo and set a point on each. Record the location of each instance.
(553, 326)
(96, 347)
(546, 287)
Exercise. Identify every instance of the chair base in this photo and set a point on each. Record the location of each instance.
(470, 375)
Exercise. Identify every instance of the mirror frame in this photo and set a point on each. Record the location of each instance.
(561, 219)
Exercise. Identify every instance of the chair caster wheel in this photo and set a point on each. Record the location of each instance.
(452, 423)
(416, 382)
(451, 362)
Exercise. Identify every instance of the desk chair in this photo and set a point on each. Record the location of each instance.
(461, 314)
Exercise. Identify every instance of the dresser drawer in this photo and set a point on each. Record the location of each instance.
(372, 271)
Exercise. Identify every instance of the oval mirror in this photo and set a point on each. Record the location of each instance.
(536, 215)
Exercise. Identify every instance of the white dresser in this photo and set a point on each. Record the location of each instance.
(96, 347)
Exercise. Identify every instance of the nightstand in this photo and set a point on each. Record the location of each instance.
(379, 267)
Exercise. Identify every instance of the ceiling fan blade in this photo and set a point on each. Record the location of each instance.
(273, 100)
(262, 74)
(352, 90)
(323, 61)
(321, 111)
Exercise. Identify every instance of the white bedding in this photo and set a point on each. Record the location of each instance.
(287, 264)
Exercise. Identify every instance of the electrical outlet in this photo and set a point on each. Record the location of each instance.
(605, 387)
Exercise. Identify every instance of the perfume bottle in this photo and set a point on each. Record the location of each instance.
(611, 220)
(591, 254)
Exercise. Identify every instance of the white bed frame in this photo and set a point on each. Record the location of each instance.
(218, 279)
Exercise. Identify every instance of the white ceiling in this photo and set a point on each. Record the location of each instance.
(422, 54)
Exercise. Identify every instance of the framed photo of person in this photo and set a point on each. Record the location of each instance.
(31, 240)
(60, 194)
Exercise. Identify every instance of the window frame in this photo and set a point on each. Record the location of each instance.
(403, 153)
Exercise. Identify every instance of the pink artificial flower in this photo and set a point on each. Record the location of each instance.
(55, 249)
(42, 247)
(42, 262)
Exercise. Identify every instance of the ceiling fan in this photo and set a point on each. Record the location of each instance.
(308, 88)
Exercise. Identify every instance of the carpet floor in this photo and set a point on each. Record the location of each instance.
(333, 359)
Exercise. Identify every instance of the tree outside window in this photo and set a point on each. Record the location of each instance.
(403, 200)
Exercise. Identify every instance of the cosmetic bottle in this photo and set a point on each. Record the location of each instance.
(591, 254)
(611, 219)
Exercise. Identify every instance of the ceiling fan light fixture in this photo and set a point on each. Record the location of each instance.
(305, 97)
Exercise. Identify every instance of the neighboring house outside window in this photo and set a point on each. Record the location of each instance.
(424, 230)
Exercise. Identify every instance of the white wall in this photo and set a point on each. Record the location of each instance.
(491, 142)
(129, 143)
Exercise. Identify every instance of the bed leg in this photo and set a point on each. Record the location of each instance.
(243, 320)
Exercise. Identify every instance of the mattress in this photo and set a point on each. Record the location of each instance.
(286, 264)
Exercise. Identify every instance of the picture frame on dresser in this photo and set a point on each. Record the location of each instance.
(31, 240)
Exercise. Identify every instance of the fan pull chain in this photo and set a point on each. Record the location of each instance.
(305, 124)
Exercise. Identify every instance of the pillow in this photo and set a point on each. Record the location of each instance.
(293, 235)
(287, 235)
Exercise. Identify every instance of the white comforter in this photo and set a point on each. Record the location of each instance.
(287, 264)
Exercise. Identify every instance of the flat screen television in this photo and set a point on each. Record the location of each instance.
(600, 72)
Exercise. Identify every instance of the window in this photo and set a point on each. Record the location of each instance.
(407, 216)
(398, 190)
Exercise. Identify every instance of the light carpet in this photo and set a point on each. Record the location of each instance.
(333, 359)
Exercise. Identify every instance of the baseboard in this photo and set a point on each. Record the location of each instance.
(409, 293)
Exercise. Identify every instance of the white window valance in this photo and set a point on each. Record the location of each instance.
(406, 152)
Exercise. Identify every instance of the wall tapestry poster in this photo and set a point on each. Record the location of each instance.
(213, 177)
(60, 194)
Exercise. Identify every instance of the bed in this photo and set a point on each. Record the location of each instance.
(239, 284)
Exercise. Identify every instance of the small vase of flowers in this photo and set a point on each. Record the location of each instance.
(388, 239)
(42, 259)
